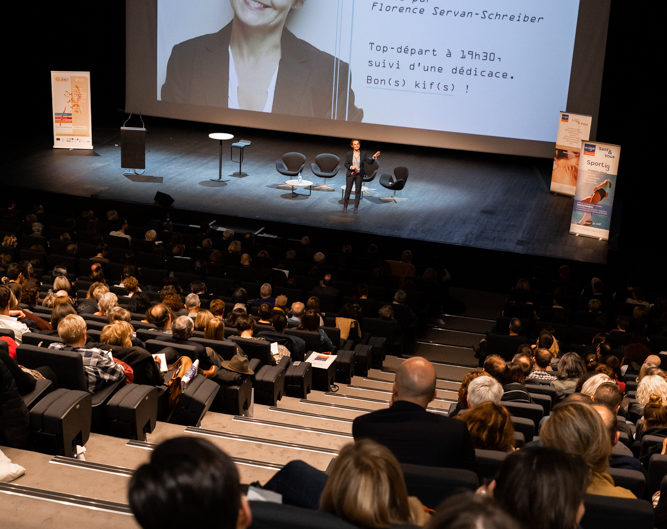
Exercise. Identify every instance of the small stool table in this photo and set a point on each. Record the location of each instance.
(240, 145)
(294, 183)
(220, 136)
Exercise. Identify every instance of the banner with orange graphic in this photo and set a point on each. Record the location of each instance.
(72, 122)
(572, 129)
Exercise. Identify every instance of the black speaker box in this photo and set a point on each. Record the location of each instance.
(163, 199)
(133, 147)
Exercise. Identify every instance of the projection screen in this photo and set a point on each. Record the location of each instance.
(476, 75)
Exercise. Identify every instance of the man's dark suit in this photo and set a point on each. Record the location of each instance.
(417, 436)
(198, 74)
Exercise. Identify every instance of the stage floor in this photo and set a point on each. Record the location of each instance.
(468, 199)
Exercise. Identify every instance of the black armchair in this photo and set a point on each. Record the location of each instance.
(394, 182)
(291, 163)
(326, 165)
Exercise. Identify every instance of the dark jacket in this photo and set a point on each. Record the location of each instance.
(417, 436)
(198, 74)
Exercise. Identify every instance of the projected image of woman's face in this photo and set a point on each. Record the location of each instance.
(263, 13)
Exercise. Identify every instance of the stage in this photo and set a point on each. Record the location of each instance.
(483, 201)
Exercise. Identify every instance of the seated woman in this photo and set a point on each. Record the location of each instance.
(202, 319)
(215, 330)
(653, 422)
(462, 400)
(490, 427)
(555, 497)
(366, 487)
(570, 368)
(311, 322)
(119, 334)
(514, 383)
(577, 428)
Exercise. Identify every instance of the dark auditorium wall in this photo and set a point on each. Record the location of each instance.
(632, 104)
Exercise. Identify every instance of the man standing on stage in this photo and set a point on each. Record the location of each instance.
(354, 163)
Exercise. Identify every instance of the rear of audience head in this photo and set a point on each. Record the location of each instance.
(577, 428)
(59, 311)
(279, 321)
(215, 330)
(119, 313)
(542, 487)
(414, 382)
(265, 311)
(490, 426)
(608, 394)
(217, 307)
(514, 373)
(106, 302)
(484, 389)
(366, 487)
(188, 482)
(494, 365)
(543, 358)
(183, 328)
(591, 385)
(655, 413)
(117, 333)
(652, 385)
(245, 322)
(61, 283)
(202, 319)
(310, 321)
(470, 511)
(159, 315)
(525, 359)
(570, 365)
(464, 388)
(72, 330)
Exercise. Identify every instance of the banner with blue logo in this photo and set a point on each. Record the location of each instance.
(596, 186)
(72, 121)
(572, 129)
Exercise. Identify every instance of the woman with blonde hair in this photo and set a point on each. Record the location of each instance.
(577, 428)
(215, 329)
(366, 487)
(652, 385)
(118, 332)
(202, 319)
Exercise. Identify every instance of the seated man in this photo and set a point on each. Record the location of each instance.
(99, 366)
(160, 316)
(541, 373)
(188, 482)
(413, 434)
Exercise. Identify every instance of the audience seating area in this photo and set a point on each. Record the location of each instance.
(288, 410)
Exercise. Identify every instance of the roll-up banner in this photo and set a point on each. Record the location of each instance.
(72, 123)
(596, 186)
(572, 130)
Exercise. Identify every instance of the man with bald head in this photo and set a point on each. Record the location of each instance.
(413, 434)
